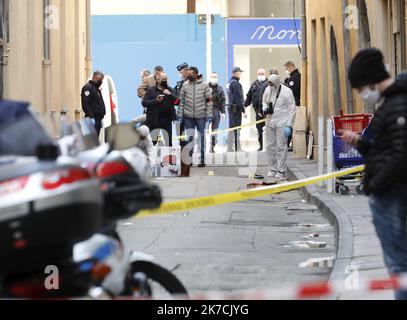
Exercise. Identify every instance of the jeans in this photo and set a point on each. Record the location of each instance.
(191, 125)
(215, 125)
(235, 120)
(390, 220)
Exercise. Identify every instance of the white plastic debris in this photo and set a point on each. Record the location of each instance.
(306, 244)
(316, 244)
(318, 263)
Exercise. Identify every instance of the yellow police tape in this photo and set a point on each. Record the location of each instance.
(220, 199)
(239, 127)
(217, 132)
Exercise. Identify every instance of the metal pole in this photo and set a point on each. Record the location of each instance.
(88, 40)
(329, 154)
(208, 40)
(321, 147)
(47, 36)
(304, 53)
(4, 35)
(347, 49)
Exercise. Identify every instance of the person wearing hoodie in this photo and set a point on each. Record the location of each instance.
(385, 152)
(279, 106)
(253, 98)
(196, 111)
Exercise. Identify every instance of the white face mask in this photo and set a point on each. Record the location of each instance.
(261, 78)
(213, 81)
(371, 96)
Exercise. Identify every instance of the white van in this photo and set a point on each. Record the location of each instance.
(109, 95)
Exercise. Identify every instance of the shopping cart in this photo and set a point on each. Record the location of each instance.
(347, 156)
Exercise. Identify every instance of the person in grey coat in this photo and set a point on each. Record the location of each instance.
(195, 110)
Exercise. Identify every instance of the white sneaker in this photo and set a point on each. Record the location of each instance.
(271, 174)
(280, 176)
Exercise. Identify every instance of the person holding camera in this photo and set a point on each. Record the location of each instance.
(279, 108)
(159, 102)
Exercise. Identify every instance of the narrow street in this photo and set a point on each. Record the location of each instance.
(233, 247)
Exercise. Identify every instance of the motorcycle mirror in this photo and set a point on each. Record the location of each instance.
(47, 152)
(122, 136)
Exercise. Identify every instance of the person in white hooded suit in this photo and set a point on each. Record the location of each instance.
(279, 106)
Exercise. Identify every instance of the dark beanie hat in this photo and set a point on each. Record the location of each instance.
(367, 68)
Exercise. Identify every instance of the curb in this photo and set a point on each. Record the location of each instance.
(336, 215)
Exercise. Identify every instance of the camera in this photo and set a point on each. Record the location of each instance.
(270, 109)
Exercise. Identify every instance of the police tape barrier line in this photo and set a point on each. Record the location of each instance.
(307, 291)
(217, 132)
(220, 199)
(239, 127)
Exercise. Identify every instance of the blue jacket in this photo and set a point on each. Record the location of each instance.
(236, 95)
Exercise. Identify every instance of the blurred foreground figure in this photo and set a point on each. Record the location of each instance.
(385, 151)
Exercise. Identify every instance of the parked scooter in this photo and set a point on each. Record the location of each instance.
(51, 210)
(124, 173)
(46, 206)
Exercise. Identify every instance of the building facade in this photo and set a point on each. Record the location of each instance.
(46, 56)
(335, 32)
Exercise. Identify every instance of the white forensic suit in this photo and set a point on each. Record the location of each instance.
(283, 117)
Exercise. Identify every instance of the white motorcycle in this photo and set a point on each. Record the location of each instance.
(124, 172)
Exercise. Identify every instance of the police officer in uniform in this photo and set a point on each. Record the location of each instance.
(236, 109)
(92, 101)
(180, 126)
(294, 83)
(253, 98)
(182, 69)
(219, 106)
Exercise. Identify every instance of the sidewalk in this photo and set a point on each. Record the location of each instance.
(357, 242)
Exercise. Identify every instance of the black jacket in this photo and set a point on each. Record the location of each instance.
(159, 113)
(294, 83)
(92, 101)
(178, 87)
(255, 96)
(218, 97)
(235, 93)
(386, 148)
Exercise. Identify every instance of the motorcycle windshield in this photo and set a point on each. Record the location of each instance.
(20, 132)
(82, 137)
